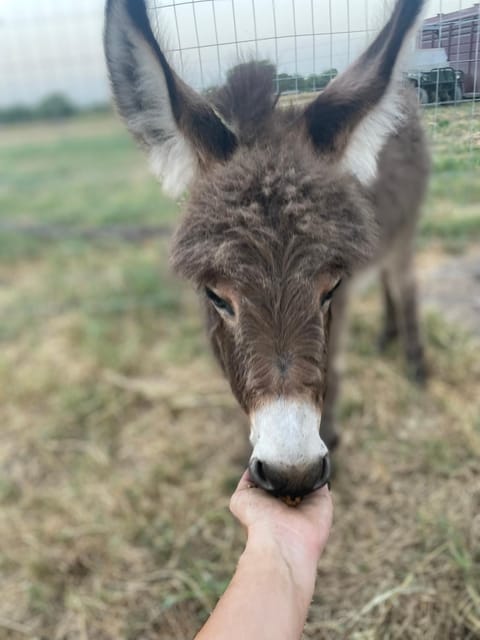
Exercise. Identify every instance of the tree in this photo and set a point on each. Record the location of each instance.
(54, 107)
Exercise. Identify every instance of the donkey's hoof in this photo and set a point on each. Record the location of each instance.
(385, 339)
(419, 374)
(418, 370)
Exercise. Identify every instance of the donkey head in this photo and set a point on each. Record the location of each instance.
(278, 214)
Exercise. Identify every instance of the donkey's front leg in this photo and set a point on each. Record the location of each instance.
(390, 324)
(328, 429)
(412, 341)
(402, 284)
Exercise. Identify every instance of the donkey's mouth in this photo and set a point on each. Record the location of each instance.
(290, 483)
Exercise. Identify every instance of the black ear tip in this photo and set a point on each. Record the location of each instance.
(137, 10)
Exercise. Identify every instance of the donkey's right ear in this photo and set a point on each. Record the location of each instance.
(179, 128)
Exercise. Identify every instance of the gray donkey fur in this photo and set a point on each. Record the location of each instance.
(285, 207)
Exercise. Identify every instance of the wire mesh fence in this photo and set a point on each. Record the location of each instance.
(52, 46)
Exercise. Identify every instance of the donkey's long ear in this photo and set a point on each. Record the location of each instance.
(357, 112)
(178, 127)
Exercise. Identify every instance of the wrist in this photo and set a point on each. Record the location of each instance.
(292, 560)
(288, 544)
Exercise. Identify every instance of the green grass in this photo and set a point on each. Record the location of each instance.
(81, 175)
(451, 213)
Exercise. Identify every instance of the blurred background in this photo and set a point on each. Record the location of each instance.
(120, 441)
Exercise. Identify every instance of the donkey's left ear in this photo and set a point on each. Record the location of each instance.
(179, 128)
(352, 119)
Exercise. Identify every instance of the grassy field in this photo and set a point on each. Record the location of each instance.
(121, 443)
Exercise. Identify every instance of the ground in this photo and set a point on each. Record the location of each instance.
(453, 287)
(121, 443)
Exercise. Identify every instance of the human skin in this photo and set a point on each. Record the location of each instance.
(269, 595)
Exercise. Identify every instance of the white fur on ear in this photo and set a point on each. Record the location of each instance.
(370, 136)
(368, 139)
(174, 164)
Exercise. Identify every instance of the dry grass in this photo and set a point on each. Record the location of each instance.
(121, 445)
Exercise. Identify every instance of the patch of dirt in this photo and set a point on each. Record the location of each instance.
(451, 286)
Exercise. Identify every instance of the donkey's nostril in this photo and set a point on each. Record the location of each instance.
(325, 474)
(259, 472)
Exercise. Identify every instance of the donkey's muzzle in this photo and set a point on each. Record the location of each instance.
(290, 481)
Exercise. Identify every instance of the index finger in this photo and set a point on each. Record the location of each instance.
(245, 482)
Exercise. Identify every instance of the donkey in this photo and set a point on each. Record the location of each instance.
(285, 207)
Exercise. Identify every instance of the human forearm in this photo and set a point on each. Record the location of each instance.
(271, 590)
(266, 599)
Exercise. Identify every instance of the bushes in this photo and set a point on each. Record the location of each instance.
(299, 83)
(16, 113)
(55, 106)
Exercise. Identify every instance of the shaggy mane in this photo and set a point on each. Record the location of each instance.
(247, 100)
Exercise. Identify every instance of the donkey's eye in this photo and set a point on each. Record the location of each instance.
(329, 295)
(220, 303)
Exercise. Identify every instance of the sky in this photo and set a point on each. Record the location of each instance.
(56, 45)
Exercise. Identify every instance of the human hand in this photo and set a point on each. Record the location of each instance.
(298, 533)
